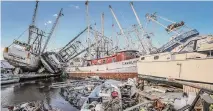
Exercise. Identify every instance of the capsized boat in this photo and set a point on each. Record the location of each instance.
(26, 55)
(19, 55)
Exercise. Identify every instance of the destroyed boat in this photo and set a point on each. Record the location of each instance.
(25, 56)
(186, 57)
(191, 66)
(9, 78)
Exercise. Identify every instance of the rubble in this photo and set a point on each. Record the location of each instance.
(76, 92)
(110, 95)
(31, 106)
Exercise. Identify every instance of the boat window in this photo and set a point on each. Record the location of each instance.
(104, 61)
(156, 57)
(142, 58)
(88, 64)
(113, 59)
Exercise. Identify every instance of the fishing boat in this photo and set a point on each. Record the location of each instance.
(186, 57)
(120, 65)
(20, 57)
(9, 78)
(25, 56)
(193, 63)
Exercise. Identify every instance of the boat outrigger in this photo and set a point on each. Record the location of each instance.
(26, 56)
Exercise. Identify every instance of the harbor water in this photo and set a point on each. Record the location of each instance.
(37, 90)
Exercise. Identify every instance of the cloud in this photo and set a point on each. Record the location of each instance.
(49, 22)
(74, 6)
(55, 15)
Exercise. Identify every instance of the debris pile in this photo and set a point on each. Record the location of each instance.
(111, 95)
(160, 97)
(31, 106)
(105, 97)
(76, 92)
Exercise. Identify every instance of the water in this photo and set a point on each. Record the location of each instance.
(33, 91)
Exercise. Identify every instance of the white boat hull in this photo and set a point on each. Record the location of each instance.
(23, 59)
(120, 70)
(183, 67)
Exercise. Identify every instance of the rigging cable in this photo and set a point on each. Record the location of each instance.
(19, 36)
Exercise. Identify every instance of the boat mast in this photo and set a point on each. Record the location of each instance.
(102, 32)
(122, 32)
(52, 29)
(137, 18)
(32, 26)
(96, 40)
(153, 17)
(88, 25)
(148, 44)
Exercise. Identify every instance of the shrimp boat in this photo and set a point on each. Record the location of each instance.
(26, 56)
(191, 66)
(20, 57)
(121, 64)
(187, 57)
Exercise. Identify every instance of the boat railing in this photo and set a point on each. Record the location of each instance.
(179, 38)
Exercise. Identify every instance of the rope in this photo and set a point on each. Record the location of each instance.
(166, 19)
(19, 36)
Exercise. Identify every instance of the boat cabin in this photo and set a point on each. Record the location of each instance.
(119, 56)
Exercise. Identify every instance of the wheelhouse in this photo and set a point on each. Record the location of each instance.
(119, 56)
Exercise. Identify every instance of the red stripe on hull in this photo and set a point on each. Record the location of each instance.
(120, 76)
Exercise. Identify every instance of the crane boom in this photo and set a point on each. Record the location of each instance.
(74, 39)
(33, 22)
(35, 13)
(148, 44)
(138, 20)
(119, 25)
(88, 25)
(52, 30)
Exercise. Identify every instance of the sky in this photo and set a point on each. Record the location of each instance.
(16, 17)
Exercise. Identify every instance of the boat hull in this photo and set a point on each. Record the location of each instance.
(182, 68)
(51, 62)
(23, 59)
(117, 70)
(10, 81)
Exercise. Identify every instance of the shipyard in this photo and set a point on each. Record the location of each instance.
(106, 56)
